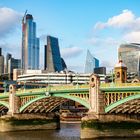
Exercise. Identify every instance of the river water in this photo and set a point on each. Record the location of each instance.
(68, 131)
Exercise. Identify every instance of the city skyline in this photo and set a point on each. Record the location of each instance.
(99, 28)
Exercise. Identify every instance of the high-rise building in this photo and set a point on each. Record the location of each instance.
(91, 63)
(13, 64)
(100, 70)
(1, 62)
(30, 44)
(130, 55)
(53, 61)
(8, 56)
(63, 64)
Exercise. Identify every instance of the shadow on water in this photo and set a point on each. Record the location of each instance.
(68, 131)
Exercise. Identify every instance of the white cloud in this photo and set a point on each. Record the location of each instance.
(126, 23)
(9, 18)
(70, 52)
(124, 20)
(132, 37)
(14, 49)
(98, 41)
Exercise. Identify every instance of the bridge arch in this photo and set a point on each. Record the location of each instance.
(66, 96)
(5, 104)
(120, 102)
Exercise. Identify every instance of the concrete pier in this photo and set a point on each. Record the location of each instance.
(94, 126)
(28, 122)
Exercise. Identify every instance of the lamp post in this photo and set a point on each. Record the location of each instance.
(24, 85)
(112, 75)
(48, 83)
(77, 80)
(5, 87)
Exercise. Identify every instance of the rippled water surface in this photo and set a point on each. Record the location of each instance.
(67, 132)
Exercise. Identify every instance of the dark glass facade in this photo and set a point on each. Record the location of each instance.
(100, 70)
(13, 64)
(53, 62)
(63, 64)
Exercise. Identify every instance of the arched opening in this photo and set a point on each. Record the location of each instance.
(58, 104)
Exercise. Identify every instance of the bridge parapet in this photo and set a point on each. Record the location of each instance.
(52, 88)
(110, 85)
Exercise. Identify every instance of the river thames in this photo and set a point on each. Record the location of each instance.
(68, 131)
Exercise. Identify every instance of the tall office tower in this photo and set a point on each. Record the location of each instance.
(8, 56)
(0, 52)
(91, 63)
(53, 62)
(63, 64)
(30, 44)
(13, 64)
(130, 55)
(100, 70)
(1, 62)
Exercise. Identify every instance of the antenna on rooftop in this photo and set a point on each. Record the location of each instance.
(24, 16)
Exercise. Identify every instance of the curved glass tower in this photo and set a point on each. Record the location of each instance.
(91, 63)
(30, 44)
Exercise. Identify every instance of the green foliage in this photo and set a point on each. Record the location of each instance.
(94, 124)
(14, 121)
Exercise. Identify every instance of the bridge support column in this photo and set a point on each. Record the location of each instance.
(14, 101)
(95, 96)
(97, 123)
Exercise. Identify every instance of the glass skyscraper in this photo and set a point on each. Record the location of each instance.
(30, 44)
(1, 62)
(130, 55)
(91, 63)
(53, 61)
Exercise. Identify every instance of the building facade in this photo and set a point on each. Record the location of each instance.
(130, 55)
(8, 56)
(30, 44)
(91, 63)
(13, 64)
(56, 78)
(1, 62)
(100, 70)
(52, 57)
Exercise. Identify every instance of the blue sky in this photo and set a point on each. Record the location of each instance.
(98, 25)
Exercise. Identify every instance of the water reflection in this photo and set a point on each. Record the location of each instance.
(67, 132)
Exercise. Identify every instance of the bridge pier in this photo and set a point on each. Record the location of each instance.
(14, 101)
(15, 121)
(24, 122)
(97, 123)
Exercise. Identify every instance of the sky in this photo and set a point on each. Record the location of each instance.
(99, 26)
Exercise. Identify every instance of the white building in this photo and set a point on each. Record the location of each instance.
(39, 76)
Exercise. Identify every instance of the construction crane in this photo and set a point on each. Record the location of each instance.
(24, 16)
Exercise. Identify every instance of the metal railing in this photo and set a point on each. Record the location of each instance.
(52, 88)
(111, 85)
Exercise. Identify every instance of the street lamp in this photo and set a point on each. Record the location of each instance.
(24, 85)
(48, 83)
(77, 79)
(5, 87)
(112, 76)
